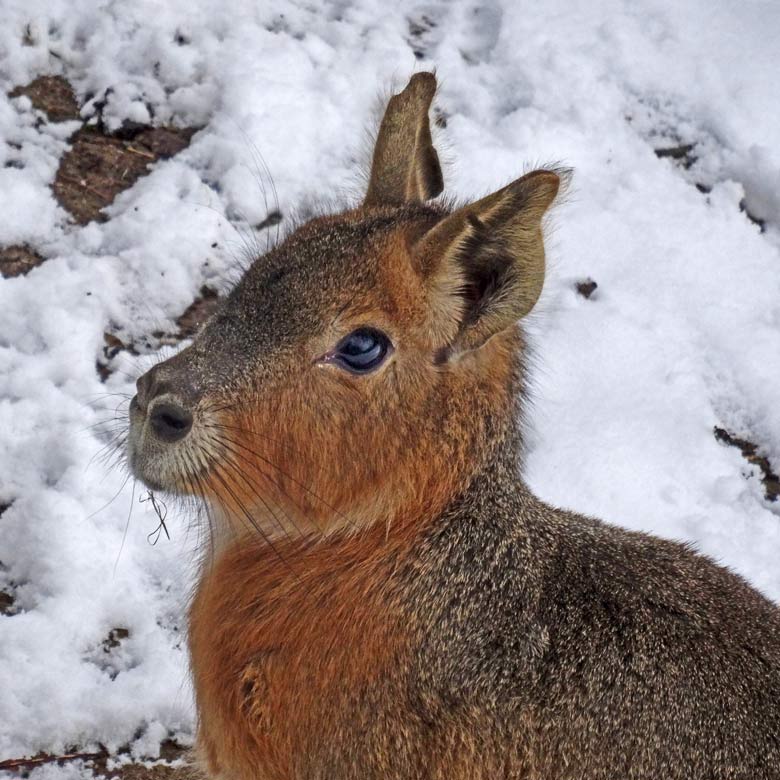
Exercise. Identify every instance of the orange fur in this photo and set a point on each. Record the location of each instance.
(271, 663)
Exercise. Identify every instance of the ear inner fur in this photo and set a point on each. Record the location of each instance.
(406, 166)
(486, 260)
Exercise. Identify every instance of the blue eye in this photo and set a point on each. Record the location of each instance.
(362, 351)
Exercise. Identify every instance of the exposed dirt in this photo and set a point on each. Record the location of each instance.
(114, 639)
(586, 287)
(6, 603)
(274, 218)
(112, 346)
(169, 752)
(52, 94)
(682, 154)
(160, 771)
(750, 452)
(196, 314)
(99, 166)
(18, 260)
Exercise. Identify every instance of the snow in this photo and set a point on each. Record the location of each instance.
(681, 335)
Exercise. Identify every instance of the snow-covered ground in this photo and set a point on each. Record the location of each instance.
(681, 335)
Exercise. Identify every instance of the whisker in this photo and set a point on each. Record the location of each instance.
(226, 442)
(251, 486)
(106, 394)
(297, 482)
(106, 450)
(207, 506)
(286, 445)
(235, 470)
(112, 499)
(107, 425)
(242, 508)
(127, 526)
(113, 459)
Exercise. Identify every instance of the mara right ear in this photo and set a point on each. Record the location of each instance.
(405, 165)
(483, 265)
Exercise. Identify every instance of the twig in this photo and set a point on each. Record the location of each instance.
(22, 763)
(161, 510)
(141, 152)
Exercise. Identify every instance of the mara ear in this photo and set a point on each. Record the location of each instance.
(405, 165)
(483, 265)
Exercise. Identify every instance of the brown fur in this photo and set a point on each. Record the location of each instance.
(386, 599)
(405, 165)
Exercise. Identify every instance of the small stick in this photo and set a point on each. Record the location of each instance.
(141, 152)
(20, 763)
(161, 510)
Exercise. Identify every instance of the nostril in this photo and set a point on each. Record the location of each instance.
(171, 422)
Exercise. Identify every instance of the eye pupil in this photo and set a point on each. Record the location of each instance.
(359, 343)
(362, 350)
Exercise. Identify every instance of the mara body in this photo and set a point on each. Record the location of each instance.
(386, 599)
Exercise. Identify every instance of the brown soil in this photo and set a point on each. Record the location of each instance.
(99, 166)
(6, 603)
(155, 772)
(196, 314)
(682, 154)
(53, 95)
(750, 453)
(17, 260)
(169, 752)
(586, 287)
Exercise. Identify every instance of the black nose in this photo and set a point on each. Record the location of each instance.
(170, 421)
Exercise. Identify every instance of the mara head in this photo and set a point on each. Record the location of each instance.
(361, 370)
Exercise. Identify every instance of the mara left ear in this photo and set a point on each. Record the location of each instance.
(406, 166)
(483, 265)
